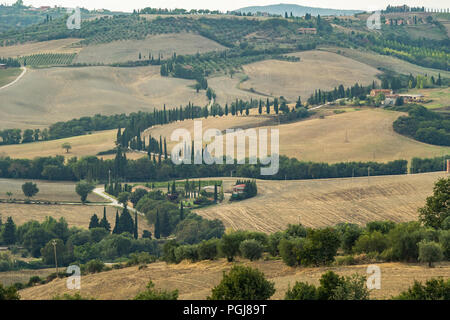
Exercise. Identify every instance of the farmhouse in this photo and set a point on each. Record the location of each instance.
(238, 189)
(2, 66)
(307, 30)
(3, 248)
(412, 98)
(376, 92)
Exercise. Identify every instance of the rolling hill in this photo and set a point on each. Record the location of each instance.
(297, 10)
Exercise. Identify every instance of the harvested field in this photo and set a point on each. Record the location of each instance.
(365, 135)
(22, 276)
(165, 44)
(48, 191)
(227, 90)
(316, 70)
(8, 75)
(75, 215)
(195, 280)
(45, 96)
(325, 202)
(53, 46)
(86, 145)
(386, 62)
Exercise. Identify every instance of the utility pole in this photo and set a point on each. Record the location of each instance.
(56, 260)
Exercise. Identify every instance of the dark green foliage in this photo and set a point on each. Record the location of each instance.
(437, 207)
(30, 189)
(104, 222)
(152, 294)
(9, 293)
(229, 245)
(251, 249)
(301, 291)
(9, 231)
(195, 229)
(433, 289)
(94, 223)
(243, 283)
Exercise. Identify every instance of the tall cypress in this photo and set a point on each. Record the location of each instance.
(116, 229)
(9, 231)
(135, 225)
(157, 226)
(104, 222)
(126, 222)
(181, 211)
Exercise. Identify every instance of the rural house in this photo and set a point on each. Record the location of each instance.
(238, 189)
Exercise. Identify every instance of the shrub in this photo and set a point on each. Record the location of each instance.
(243, 283)
(229, 244)
(152, 294)
(208, 249)
(351, 288)
(301, 291)
(372, 242)
(94, 266)
(444, 240)
(434, 289)
(251, 249)
(430, 251)
(9, 293)
(186, 252)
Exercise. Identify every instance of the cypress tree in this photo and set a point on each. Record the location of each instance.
(157, 226)
(267, 106)
(260, 107)
(104, 222)
(215, 193)
(9, 231)
(165, 225)
(135, 225)
(94, 223)
(181, 211)
(116, 229)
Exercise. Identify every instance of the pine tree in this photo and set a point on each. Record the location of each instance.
(215, 193)
(116, 229)
(94, 223)
(9, 231)
(157, 226)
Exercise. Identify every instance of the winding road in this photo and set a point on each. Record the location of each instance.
(24, 70)
(113, 202)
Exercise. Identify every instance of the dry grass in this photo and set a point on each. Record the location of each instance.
(227, 90)
(48, 191)
(86, 145)
(440, 97)
(22, 276)
(8, 75)
(52, 46)
(75, 215)
(386, 62)
(195, 281)
(316, 70)
(45, 96)
(327, 202)
(220, 123)
(128, 50)
(365, 135)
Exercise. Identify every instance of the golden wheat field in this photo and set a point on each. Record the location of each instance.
(164, 44)
(315, 70)
(325, 202)
(86, 145)
(45, 96)
(195, 280)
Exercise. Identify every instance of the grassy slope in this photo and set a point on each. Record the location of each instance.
(81, 146)
(195, 280)
(319, 203)
(315, 70)
(45, 96)
(8, 75)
